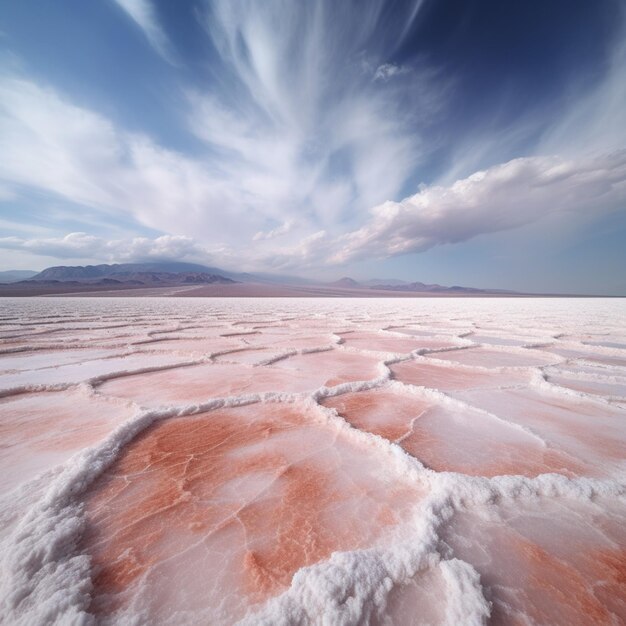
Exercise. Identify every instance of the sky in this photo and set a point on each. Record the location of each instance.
(465, 142)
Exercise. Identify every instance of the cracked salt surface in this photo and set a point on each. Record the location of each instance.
(168, 461)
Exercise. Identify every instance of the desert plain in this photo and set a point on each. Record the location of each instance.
(312, 461)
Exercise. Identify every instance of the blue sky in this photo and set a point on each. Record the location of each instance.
(466, 142)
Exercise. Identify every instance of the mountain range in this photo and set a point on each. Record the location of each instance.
(400, 285)
(132, 274)
(124, 271)
(121, 276)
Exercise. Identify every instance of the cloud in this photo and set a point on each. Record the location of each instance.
(54, 146)
(7, 194)
(84, 246)
(588, 117)
(292, 136)
(596, 120)
(143, 14)
(296, 121)
(389, 70)
(299, 142)
(283, 229)
(503, 197)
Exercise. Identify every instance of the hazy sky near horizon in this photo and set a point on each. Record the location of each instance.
(473, 142)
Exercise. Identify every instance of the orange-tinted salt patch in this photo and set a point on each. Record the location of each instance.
(609, 567)
(592, 433)
(445, 439)
(554, 591)
(593, 387)
(287, 341)
(193, 384)
(571, 576)
(199, 346)
(331, 367)
(379, 411)
(498, 340)
(40, 431)
(390, 343)
(450, 378)
(199, 383)
(242, 498)
(250, 356)
(87, 333)
(486, 357)
(587, 354)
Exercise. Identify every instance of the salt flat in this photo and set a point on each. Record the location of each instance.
(324, 461)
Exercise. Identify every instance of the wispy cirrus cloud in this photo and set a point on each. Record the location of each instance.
(142, 12)
(596, 121)
(292, 137)
(297, 121)
(48, 143)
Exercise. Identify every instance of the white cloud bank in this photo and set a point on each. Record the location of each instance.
(501, 198)
(84, 246)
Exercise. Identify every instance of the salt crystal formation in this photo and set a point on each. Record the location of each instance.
(285, 461)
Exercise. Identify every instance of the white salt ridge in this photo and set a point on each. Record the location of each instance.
(45, 580)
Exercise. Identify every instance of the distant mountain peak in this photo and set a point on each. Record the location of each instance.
(14, 276)
(346, 282)
(373, 282)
